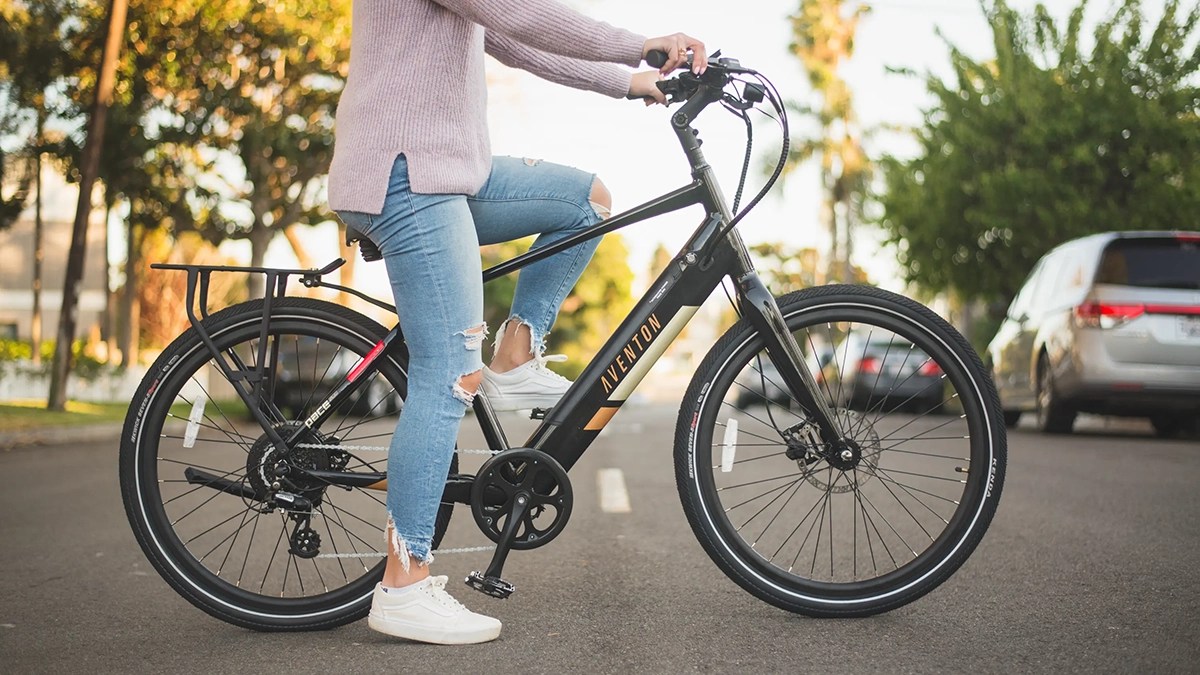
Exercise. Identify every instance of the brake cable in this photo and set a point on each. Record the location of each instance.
(772, 95)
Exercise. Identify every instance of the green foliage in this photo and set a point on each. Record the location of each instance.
(590, 313)
(16, 354)
(1048, 143)
(34, 58)
(222, 120)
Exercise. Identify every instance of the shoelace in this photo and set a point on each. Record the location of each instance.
(438, 584)
(540, 361)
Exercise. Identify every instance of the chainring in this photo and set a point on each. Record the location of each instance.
(529, 472)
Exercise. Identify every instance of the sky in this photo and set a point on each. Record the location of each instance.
(633, 150)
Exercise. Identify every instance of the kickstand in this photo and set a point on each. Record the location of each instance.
(490, 582)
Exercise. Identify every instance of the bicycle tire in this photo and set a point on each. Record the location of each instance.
(714, 506)
(153, 503)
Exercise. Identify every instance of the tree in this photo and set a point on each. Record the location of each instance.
(265, 77)
(33, 61)
(823, 38)
(89, 167)
(1047, 143)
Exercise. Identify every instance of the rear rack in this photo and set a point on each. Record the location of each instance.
(241, 376)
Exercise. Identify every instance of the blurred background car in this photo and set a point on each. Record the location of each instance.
(885, 371)
(1109, 324)
(310, 370)
(758, 384)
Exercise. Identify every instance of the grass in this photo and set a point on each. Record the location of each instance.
(25, 415)
(32, 414)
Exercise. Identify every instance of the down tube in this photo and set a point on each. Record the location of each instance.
(625, 359)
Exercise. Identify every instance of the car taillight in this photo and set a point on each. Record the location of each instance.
(1105, 315)
(869, 364)
(929, 369)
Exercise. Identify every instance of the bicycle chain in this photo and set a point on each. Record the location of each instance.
(381, 448)
(439, 551)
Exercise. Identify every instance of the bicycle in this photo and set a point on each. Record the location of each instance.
(869, 405)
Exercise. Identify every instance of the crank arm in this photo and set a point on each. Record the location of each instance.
(490, 582)
(196, 476)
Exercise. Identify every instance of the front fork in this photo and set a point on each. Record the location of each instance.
(761, 310)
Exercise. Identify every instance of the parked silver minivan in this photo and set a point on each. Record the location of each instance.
(1107, 324)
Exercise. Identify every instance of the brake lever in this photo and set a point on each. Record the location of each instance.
(670, 88)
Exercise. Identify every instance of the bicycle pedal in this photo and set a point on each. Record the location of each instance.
(539, 413)
(493, 586)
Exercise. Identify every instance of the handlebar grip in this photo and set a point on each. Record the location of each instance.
(656, 58)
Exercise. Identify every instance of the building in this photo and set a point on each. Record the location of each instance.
(16, 265)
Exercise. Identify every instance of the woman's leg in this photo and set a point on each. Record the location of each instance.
(523, 197)
(432, 255)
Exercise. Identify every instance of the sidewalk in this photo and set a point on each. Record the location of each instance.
(60, 435)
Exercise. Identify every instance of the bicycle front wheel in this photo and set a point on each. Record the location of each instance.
(199, 476)
(854, 533)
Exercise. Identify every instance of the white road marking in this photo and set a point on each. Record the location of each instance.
(614, 498)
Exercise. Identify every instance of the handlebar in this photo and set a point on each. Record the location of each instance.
(718, 84)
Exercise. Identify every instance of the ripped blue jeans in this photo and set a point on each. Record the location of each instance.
(430, 244)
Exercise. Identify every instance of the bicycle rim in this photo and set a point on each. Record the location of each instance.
(860, 533)
(233, 550)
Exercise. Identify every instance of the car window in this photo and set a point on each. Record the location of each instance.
(1152, 263)
(1063, 285)
(1020, 304)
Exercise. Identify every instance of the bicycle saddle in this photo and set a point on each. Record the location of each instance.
(366, 247)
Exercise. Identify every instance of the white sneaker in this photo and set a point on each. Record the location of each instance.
(425, 612)
(529, 385)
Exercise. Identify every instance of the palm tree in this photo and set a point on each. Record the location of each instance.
(823, 38)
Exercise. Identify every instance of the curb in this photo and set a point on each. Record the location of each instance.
(85, 433)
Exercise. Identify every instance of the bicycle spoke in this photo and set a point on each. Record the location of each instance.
(246, 559)
(796, 529)
(233, 542)
(750, 433)
(282, 532)
(755, 482)
(753, 459)
(890, 527)
(760, 496)
(795, 488)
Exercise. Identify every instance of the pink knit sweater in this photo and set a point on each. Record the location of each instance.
(416, 86)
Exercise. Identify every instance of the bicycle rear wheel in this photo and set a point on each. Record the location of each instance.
(224, 544)
(855, 534)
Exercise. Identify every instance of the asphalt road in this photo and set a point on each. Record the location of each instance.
(1091, 565)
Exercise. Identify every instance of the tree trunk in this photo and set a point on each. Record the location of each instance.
(89, 167)
(260, 239)
(848, 241)
(829, 213)
(39, 253)
(127, 335)
(106, 320)
(293, 236)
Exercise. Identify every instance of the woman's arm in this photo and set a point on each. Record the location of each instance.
(553, 27)
(601, 78)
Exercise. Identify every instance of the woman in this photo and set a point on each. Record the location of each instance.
(413, 172)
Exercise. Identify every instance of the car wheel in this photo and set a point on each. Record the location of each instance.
(1054, 416)
(1011, 417)
(1168, 426)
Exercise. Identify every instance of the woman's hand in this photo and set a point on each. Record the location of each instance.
(677, 46)
(643, 86)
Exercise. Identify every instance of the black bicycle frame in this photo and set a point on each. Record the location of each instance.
(570, 427)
